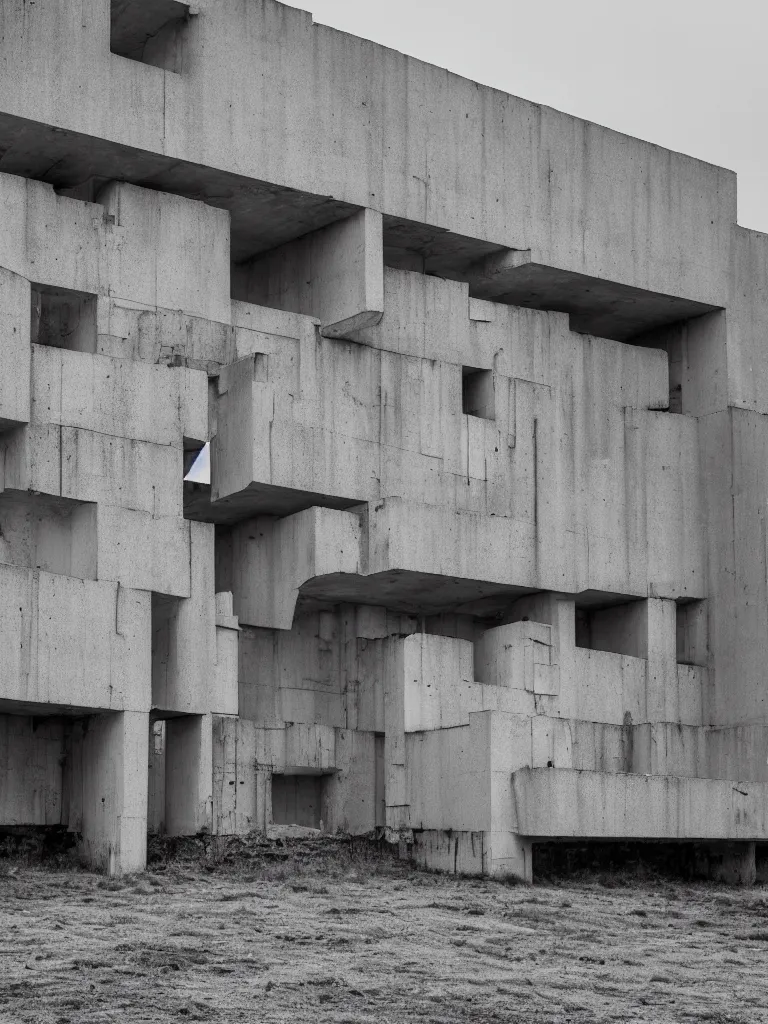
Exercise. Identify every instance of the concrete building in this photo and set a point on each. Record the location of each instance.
(483, 555)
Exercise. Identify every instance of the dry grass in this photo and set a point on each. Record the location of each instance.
(343, 937)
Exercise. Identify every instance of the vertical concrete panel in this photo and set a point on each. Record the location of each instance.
(114, 786)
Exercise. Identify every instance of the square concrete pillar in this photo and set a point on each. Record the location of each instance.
(507, 855)
(188, 775)
(111, 791)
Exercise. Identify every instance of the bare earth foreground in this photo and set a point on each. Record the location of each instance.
(366, 942)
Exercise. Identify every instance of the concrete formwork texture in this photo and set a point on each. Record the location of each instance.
(482, 559)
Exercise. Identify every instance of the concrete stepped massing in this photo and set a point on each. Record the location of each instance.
(482, 559)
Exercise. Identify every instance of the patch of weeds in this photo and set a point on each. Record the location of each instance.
(110, 885)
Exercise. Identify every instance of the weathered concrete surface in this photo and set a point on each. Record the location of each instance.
(558, 801)
(488, 420)
(263, 90)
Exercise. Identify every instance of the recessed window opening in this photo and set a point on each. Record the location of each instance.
(299, 800)
(477, 397)
(63, 318)
(618, 629)
(197, 465)
(150, 31)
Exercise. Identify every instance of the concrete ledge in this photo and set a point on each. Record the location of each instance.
(564, 803)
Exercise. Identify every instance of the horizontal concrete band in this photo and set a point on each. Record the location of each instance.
(598, 805)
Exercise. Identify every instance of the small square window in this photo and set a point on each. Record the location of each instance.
(152, 33)
(63, 318)
(477, 397)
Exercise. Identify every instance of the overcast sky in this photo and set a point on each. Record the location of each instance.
(687, 74)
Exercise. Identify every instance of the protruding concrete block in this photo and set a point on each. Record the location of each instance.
(120, 397)
(72, 642)
(271, 559)
(598, 805)
(335, 274)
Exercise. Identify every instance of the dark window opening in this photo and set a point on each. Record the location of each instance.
(618, 629)
(299, 800)
(477, 398)
(63, 318)
(150, 31)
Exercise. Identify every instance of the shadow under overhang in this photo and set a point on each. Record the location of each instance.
(411, 593)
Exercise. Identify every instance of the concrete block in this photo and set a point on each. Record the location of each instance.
(596, 805)
(145, 552)
(423, 316)
(309, 748)
(334, 274)
(294, 550)
(75, 643)
(167, 251)
(513, 656)
(30, 459)
(114, 396)
(116, 471)
(134, 330)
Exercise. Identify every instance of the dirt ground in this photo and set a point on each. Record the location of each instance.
(353, 941)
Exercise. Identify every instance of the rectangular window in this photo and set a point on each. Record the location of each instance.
(298, 800)
(618, 629)
(63, 318)
(477, 397)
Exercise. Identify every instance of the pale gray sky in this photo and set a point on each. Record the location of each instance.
(687, 74)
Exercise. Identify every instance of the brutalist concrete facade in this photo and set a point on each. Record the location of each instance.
(483, 556)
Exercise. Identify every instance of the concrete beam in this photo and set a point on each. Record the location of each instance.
(598, 805)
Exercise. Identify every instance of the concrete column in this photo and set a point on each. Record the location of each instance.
(662, 661)
(263, 799)
(188, 775)
(507, 855)
(113, 787)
